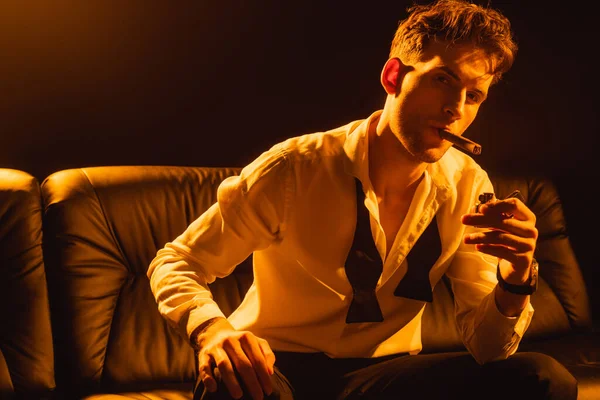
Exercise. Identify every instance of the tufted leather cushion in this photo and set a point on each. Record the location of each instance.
(26, 353)
(159, 394)
(104, 225)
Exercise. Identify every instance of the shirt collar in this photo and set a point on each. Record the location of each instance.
(356, 148)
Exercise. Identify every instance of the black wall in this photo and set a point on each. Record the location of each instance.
(214, 83)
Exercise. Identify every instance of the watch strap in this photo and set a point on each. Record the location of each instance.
(527, 288)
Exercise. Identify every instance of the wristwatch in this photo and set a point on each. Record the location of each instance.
(528, 287)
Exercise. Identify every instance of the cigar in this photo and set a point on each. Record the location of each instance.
(461, 142)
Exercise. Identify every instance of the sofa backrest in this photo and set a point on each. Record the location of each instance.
(104, 225)
(26, 352)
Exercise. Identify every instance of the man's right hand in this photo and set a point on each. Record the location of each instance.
(230, 350)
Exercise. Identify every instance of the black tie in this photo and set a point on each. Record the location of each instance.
(424, 253)
(364, 266)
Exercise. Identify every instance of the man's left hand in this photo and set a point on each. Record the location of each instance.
(512, 235)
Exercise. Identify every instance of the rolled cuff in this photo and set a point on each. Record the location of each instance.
(200, 315)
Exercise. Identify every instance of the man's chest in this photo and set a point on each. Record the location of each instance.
(392, 213)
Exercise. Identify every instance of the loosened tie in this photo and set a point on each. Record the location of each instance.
(364, 266)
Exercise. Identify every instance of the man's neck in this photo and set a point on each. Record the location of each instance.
(392, 170)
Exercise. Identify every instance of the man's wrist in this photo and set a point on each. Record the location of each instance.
(201, 329)
(527, 287)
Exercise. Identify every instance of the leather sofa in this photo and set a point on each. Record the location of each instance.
(103, 225)
(26, 351)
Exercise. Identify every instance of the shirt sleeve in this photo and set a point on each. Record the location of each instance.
(487, 334)
(249, 215)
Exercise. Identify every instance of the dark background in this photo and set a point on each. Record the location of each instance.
(216, 82)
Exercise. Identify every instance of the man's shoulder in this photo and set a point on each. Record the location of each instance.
(305, 149)
(315, 145)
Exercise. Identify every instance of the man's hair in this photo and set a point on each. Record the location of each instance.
(456, 22)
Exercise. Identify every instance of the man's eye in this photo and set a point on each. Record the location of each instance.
(474, 97)
(443, 79)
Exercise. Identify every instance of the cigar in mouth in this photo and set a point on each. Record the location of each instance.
(462, 142)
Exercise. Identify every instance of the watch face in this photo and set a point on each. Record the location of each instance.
(534, 273)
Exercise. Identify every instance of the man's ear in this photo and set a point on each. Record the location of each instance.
(390, 75)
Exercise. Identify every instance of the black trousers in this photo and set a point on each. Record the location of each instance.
(314, 376)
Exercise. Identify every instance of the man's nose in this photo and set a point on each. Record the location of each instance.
(455, 107)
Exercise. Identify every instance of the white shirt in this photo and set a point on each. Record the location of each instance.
(294, 208)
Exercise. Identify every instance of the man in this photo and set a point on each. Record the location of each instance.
(350, 229)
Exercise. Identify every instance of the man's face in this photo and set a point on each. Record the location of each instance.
(444, 90)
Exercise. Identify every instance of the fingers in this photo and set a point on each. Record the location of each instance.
(227, 372)
(509, 215)
(242, 361)
(262, 369)
(495, 237)
(205, 372)
(524, 229)
(268, 354)
(515, 249)
(507, 208)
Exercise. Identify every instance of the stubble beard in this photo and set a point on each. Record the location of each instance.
(417, 148)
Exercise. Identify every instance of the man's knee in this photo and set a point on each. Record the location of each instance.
(534, 375)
